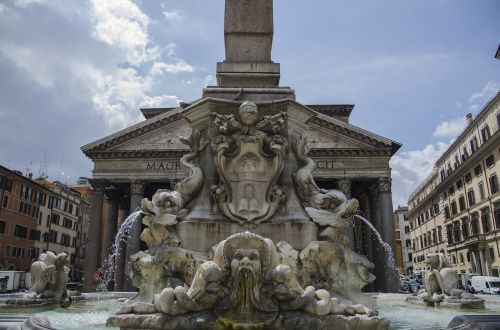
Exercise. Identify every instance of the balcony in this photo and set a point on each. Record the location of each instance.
(473, 242)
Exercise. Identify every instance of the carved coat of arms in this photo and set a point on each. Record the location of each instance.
(249, 162)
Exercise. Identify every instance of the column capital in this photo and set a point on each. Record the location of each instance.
(138, 187)
(98, 185)
(385, 185)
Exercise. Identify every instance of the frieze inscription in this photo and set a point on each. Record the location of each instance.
(324, 164)
(163, 166)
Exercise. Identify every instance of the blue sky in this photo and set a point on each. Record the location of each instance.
(74, 71)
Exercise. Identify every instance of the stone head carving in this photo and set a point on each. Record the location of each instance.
(437, 261)
(248, 113)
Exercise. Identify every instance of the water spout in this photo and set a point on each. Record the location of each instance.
(391, 262)
(121, 236)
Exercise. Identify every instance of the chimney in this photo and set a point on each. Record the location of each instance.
(469, 118)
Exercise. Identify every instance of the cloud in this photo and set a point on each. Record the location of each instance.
(174, 15)
(159, 68)
(122, 24)
(410, 168)
(450, 128)
(488, 91)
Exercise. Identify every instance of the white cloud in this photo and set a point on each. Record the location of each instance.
(173, 15)
(410, 168)
(160, 68)
(122, 24)
(450, 128)
(488, 91)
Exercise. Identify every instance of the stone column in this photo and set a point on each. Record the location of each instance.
(119, 273)
(110, 224)
(377, 249)
(345, 187)
(134, 242)
(93, 234)
(388, 231)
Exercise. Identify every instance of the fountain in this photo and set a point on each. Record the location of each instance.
(49, 276)
(441, 286)
(248, 279)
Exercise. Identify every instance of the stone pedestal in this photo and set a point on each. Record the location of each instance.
(201, 236)
(285, 320)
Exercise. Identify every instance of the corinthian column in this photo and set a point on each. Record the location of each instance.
(110, 224)
(93, 234)
(345, 187)
(388, 231)
(134, 242)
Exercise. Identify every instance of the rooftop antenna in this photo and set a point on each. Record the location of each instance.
(61, 169)
(42, 172)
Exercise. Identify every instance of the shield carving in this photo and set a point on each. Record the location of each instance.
(249, 192)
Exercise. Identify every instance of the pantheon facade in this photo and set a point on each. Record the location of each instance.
(133, 163)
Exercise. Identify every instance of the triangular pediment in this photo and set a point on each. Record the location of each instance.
(161, 133)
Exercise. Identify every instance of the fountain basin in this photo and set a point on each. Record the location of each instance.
(92, 314)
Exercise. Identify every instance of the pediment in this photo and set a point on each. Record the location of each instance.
(164, 138)
(320, 138)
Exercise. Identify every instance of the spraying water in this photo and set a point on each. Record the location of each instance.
(391, 262)
(121, 236)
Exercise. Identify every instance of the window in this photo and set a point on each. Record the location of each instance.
(67, 223)
(490, 161)
(5, 201)
(492, 254)
(456, 232)
(461, 203)
(454, 260)
(440, 234)
(465, 228)
(408, 243)
(407, 229)
(468, 177)
(471, 197)
(70, 208)
(2, 227)
(481, 191)
(473, 144)
(65, 206)
(410, 256)
(494, 184)
(465, 154)
(454, 208)
(436, 208)
(478, 170)
(443, 175)
(65, 240)
(459, 184)
(485, 133)
(451, 190)
(20, 231)
(449, 233)
(55, 219)
(447, 212)
(486, 222)
(461, 257)
(474, 224)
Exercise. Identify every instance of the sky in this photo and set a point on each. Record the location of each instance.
(73, 71)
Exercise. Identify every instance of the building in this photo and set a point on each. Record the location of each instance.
(38, 216)
(63, 231)
(21, 210)
(402, 225)
(133, 163)
(456, 210)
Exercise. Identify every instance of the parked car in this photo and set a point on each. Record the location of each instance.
(485, 284)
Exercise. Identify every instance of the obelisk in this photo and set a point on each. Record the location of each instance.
(248, 37)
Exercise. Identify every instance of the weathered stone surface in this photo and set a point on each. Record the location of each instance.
(248, 30)
(31, 323)
(285, 320)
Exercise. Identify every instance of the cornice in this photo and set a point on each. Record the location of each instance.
(136, 154)
(341, 153)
